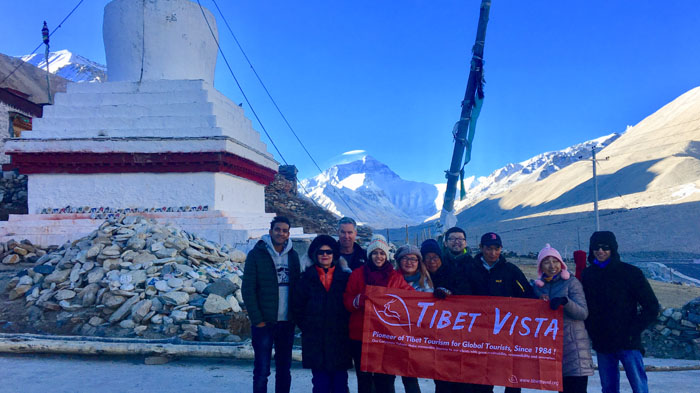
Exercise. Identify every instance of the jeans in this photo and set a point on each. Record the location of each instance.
(609, 371)
(329, 381)
(281, 336)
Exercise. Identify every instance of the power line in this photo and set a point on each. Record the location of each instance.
(238, 84)
(42, 43)
(240, 47)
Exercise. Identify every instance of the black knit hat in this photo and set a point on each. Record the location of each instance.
(322, 240)
(430, 245)
(606, 238)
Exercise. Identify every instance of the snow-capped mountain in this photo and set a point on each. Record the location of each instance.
(376, 195)
(382, 199)
(532, 170)
(70, 66)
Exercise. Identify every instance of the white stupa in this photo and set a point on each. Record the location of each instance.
(156, 139)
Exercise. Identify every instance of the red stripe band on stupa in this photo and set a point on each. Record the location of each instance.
(93, 163)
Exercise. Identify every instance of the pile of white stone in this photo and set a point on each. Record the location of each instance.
(140, 276)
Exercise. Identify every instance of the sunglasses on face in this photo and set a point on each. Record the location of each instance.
(604, 247)
(324, 252)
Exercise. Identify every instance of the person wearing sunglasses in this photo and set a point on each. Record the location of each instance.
(621, 304)
(322, 318)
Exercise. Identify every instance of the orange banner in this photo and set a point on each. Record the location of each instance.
(475, 339)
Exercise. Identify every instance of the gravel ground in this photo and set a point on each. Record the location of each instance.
(73, 374)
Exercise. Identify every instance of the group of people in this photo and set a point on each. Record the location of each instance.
(323, 293)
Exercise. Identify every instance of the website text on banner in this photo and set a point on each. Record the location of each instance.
(475, 339)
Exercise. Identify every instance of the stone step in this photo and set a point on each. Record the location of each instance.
(128, 110)
(178, 132)
(94, 99)
(116, 123)
(153, 86)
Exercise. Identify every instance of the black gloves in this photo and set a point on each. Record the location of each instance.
(554, 303)
(441, 292)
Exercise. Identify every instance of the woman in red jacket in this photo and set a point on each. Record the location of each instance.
(380, 272)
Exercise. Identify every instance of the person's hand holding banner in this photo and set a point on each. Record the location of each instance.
(475, 339)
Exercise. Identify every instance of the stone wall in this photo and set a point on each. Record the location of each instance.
(676, 333)
(281, 198)
(13, 196)
(4, 130)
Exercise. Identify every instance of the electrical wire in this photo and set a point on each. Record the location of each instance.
(240, 47)
(39, 46)
(237, 83)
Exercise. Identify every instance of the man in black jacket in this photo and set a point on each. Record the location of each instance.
(455, 250)
(621, 304)
(270, 275)
(491, 275)
(351, 253)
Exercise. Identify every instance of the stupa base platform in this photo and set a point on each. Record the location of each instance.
(223, 227)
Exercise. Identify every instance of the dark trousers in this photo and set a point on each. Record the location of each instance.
(575, 384)
(369, 382)
(452, 387)
(279, 335)
(410, 384)
(329, 381)
(489, 389)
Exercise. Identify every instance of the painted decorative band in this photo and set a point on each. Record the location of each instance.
(92, 163)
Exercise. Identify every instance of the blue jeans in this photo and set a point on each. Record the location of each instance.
(330, 381)
(609, 371)
(281, 336)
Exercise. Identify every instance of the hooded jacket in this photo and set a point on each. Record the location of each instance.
(613, 294)
(323, 320)
(576, 360)
(260, 289)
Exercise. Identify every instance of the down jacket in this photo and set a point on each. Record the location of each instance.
(323, 321)
(356, 286)
(576, 361)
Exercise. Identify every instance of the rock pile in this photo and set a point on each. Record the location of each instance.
(133, 276)
(24, 251)
(676, 333)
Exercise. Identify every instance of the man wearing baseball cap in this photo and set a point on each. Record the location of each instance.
(491, 275)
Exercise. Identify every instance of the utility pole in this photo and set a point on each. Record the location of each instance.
(595, 197)
(595, 186)
(45, 37)
(464, 129)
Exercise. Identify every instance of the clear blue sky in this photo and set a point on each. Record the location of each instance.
(388, 77)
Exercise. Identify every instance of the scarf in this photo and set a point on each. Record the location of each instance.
(602, 264)
(378, 276)
(413, 278)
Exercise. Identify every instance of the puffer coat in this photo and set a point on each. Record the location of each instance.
(577, 359)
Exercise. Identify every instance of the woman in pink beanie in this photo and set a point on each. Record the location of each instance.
(558, 287)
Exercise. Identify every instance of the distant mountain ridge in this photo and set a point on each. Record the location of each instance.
(381, 199)
(70, 66)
